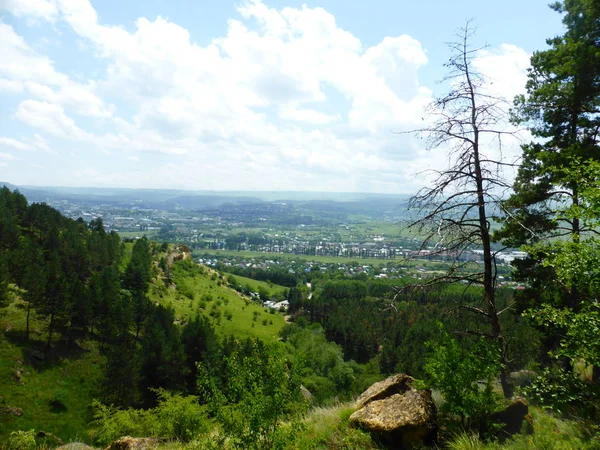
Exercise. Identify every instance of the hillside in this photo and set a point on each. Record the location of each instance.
(198, 289)
(52, 391)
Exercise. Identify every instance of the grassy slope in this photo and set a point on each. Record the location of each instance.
(272, 288)
(329, 428)
(210, 292)
(72, 377)
(69, 377)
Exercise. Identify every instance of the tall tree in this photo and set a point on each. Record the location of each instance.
(137, 280)
(561, 108)
(453, 213)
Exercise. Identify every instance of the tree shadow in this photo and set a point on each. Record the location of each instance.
(36, 354)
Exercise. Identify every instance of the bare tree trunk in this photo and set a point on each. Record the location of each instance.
(454, 208)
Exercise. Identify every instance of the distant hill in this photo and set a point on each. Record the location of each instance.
(171, 199)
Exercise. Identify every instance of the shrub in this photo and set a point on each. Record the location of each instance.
(457, 373)
(22, 440)
(175, 417)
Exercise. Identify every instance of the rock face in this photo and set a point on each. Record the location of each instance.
(131, 443)
(398, 414)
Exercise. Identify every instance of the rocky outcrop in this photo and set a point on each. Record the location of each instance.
(131, 443)
(396, 413)
(511, 419)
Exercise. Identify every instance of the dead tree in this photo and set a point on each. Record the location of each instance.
(453, 213)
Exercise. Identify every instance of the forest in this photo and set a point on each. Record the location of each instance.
(104, 337)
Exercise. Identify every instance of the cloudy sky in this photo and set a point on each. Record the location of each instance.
(240, 95)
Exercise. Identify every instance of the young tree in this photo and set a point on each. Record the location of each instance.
(454, 211)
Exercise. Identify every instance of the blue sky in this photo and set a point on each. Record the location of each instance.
(247, 95)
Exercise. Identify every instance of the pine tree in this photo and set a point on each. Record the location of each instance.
(561, 108)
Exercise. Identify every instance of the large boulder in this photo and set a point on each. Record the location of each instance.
(510, 420)
(131, 443)
(397, 384)
(75, 446)
(396, 413)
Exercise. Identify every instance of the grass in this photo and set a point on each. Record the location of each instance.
(329, 428)
(549, 433)
(321, 429)
(205, 291)
(54, 393)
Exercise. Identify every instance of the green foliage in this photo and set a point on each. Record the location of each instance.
(550, 433)
(457, 373)
(581, 331)
(260, 389)
(21, 440)
(323, 369)
(174, 418)
(563, 391)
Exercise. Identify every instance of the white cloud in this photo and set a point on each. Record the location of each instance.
(285, 99)
(14, 143)
(505, 68)
(35, 143)
(50, 118)
(43, 9)
(309, 116)
(23, 68)
(7, 157)
(10, 86)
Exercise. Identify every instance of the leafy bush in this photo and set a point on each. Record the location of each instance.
(178, 417)
(21, 440)
(562, 391)
(258, 387)
(457, 373)
(175, 417)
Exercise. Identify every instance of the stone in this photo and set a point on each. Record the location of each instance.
(75, 446)
(131, 443)
(49, 438)
(511, 419)
(404, 420)
(306, 394)
(397, 384)
(9, 410)
(523, 378)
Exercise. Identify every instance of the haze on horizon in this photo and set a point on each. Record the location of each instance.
(244, 96)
